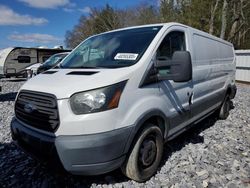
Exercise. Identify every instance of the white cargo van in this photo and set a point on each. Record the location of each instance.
(118, 96)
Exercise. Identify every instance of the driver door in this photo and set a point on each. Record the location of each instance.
(178, 95)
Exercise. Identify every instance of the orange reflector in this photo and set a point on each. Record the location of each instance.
(115, 100)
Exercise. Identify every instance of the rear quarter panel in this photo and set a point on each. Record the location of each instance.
(213, 71)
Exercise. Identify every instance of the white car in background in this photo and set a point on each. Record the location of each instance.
(32, 70)
(48, 64)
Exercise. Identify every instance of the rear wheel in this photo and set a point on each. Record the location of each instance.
(145, 156)
(223, 112)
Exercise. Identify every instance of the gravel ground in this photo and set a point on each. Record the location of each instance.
(215, 153)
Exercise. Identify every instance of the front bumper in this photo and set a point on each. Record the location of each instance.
(84, 154)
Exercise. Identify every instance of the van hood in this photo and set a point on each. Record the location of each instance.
(65, 82)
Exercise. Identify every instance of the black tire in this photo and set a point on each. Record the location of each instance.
(223, 112)
(145, 156)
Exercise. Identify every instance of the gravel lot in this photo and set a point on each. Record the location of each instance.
(215, 153)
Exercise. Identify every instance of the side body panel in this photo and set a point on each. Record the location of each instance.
(213, 72)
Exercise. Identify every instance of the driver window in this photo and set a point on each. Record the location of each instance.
(174, 41)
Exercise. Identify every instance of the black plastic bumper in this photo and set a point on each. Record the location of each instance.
(86, 154)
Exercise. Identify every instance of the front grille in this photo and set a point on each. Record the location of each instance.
(38, 110)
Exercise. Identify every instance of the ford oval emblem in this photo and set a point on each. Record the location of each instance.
(29, 108)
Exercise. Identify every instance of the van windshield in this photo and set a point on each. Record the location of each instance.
(112, 50)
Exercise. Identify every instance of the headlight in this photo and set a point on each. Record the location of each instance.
(97, 100)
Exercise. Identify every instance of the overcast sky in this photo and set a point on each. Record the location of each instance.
(32, 23)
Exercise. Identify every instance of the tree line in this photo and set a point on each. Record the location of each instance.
(227, 19)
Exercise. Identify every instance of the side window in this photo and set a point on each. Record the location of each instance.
(23, 59)
(174, 41)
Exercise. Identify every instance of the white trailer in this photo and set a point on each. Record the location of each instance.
(3, 55)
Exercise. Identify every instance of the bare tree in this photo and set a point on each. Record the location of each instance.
(224, 19)
(228, 19)
(240, 23)
(146, 14)
(213, 12)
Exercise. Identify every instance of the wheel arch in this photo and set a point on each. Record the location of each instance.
(156, 117)
(231, 91)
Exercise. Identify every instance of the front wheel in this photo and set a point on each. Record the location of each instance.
(145, 156)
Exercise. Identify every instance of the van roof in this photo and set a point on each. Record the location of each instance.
(167, 25)
(141, 26)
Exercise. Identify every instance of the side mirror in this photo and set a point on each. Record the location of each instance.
(179, 69)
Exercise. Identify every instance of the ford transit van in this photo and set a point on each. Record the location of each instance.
(119, 96)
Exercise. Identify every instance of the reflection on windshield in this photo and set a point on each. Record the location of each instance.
(53, 60)
(112, 50)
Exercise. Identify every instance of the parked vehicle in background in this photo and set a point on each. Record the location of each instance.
(48, 64)
(51, 62)
(32, 70)
(120, 95)
(14, 61)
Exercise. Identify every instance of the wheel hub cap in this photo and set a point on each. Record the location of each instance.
(148, 152)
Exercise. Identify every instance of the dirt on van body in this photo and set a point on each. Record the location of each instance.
(214, 153)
